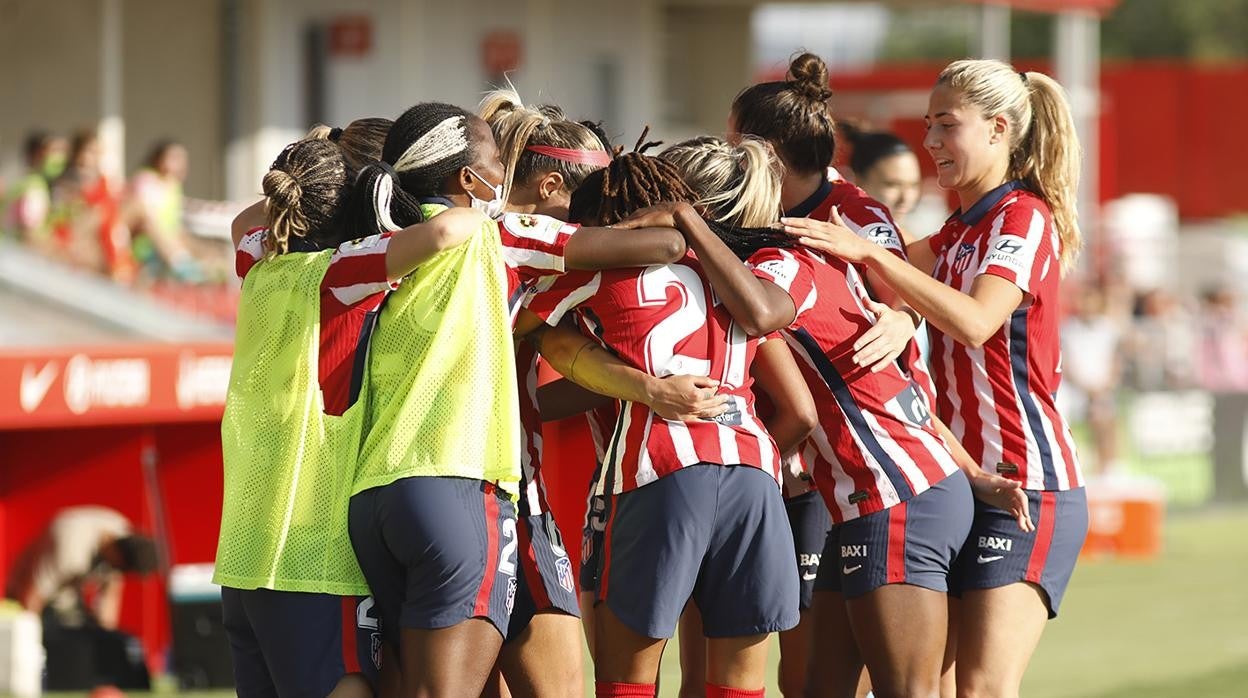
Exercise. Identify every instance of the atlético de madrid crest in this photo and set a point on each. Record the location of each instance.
(963, 259)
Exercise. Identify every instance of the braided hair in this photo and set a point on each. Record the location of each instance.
(426, 146)
(304, 191)
(634, 181)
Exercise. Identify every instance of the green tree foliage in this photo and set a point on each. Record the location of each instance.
(1200, 30)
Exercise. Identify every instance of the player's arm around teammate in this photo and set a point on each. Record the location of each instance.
(897, 554)
(1005, 142)
(794, 117)
(434, 492)
(686, 498)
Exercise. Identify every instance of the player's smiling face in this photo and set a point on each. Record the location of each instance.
(963, 144)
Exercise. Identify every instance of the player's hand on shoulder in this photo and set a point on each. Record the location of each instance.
(832, 237)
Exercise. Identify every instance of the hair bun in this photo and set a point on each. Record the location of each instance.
(282, 189)
(809, 76)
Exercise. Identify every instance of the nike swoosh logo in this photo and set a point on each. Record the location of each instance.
(985, 559)
(809, 576)
(850, 570)
(35, 386)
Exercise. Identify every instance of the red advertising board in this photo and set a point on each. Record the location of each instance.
(145, 384)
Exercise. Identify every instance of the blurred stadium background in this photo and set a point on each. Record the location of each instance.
(113, 364)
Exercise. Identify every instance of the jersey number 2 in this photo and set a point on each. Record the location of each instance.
(662, 339)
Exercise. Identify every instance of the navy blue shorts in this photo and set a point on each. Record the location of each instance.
(591, 542)
(436, 551)
(287, 643)
(809, 520)
(915, 542)
(999, 553)
(546, 581)
(368, 638)
(716, 534)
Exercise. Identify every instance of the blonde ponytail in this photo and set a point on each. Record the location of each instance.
(516, 127)
(1044, 148)
(1049, 160)
(513, 125)
(736, 185)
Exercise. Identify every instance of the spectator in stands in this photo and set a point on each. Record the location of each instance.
(1222, 361)
(155, 214)
(26, 213)
(71, 575)
(1091, 372)
(1163, 343)
(85, 212)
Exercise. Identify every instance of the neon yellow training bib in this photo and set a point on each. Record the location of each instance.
(443, 397)
(289, 466)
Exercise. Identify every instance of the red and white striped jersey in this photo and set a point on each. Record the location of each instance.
(872, 221)
(663, 320)
(862, 214)
(533, 247)
(532, 488)
(533, 250)
(874, 446)
(354, 285)
(999, 399)
(601, 420)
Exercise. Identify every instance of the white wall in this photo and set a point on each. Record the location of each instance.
(425, 51)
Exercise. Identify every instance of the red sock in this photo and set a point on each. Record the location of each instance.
(616, 689)
(713, 691)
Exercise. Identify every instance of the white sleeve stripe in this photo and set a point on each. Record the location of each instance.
(573, 299)
(535, 259)
(882, 232)
(252, 244)
(373, 244)
(350, 295)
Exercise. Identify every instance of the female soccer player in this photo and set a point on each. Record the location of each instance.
(695, 510)
(290, 432)
(739, 185)
(900, 509)
(793, 116)
(440, 458)
(988, 283)
(546, 156)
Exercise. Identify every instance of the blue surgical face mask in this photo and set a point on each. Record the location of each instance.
(494, 207)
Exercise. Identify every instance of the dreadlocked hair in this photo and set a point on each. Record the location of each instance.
(426, 146)
(304, 191)
(634, 181)
(792, 114)
(631, 182)
(735, 184)
(516, 127)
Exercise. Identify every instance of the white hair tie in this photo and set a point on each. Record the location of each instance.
(383, 192)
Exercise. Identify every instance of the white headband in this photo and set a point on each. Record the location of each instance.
(442, 141)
